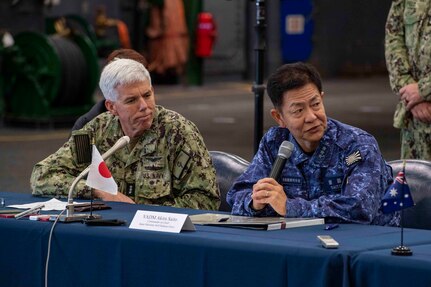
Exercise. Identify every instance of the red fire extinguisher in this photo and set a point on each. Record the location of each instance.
(205, 35)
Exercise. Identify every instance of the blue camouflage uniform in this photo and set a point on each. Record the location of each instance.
(345, 178)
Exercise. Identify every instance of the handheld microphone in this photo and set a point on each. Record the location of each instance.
(284, 152)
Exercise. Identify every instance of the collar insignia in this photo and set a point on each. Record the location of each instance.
(354, 157)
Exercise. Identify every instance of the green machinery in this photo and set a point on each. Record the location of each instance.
(48, 78)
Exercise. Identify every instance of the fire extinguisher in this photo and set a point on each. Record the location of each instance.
(205, 35)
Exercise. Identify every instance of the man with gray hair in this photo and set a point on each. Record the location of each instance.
(165, 163)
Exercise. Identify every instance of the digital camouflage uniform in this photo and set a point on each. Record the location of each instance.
(408, 58)
(344, 179)
(169, 165)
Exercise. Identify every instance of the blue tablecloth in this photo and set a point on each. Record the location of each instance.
(211, 256)
(379, 268)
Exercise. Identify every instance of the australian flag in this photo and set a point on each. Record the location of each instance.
(397, 195)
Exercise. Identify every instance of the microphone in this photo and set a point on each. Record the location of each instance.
(284, 152)
(122, 142)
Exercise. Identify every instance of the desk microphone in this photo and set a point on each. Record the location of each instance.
(122, 142)
(284, 152)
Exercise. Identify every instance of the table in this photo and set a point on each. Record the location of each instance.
(211, 256)
(378, 268)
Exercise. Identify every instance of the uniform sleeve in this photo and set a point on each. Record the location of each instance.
(194, 177)
(362, 190)
(239, 196)
(424, 85)
(396, 54)
(54, 175)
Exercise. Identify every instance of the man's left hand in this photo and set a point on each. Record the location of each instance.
(111, 197)
(422, 112)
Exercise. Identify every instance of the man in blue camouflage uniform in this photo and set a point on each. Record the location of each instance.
(408, 58)
(335, 171)
(165, 163)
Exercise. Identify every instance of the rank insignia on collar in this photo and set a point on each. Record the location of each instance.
(354, 157)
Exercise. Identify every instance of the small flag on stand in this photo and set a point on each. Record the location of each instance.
(99, 176)
(398, 197)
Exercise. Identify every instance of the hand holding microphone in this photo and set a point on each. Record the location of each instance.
(268, 190)
(284, 152)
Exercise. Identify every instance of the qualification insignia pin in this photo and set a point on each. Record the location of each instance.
(354, 157)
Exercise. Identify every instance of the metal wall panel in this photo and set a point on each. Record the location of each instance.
(229, 49)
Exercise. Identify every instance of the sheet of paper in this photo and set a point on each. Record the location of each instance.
(52, 204)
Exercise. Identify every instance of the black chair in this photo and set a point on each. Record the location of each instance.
(97, 109)
(418, 177)
(228, 167)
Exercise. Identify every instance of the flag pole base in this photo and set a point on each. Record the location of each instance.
(401, 251)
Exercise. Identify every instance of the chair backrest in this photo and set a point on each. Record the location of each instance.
(228, 167)
(97, 109)
(418, 177)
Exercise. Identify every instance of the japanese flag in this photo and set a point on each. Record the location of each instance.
(99, 176)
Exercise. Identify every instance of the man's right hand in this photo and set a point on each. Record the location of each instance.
(410, 96)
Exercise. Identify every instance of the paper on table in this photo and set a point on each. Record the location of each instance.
(52, 204)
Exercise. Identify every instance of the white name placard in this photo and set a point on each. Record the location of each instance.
(161, 221)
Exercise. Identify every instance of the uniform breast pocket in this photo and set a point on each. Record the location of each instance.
(153, 180)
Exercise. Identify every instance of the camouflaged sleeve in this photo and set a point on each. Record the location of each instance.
(194, 178)
(397, 60)
(54, 175)
(407, 50)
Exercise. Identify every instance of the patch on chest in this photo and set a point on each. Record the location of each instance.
(333, 183)
(292, 181)
(354, 157)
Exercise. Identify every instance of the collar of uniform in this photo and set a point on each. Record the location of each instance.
(324, 150)
(321, 154)
(298, 156)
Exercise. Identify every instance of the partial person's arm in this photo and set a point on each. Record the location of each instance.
(422, 112)
(239, 196)
(362, 190)
(105, 196)
(194, 177)
(396, 53)
(398, 62)
(54, 175)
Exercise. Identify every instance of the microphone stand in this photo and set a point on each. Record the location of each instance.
(91, 206)
(71, 216)
(70, 207)
(258, 86)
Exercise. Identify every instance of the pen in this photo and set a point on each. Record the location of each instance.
(331, 226)
(223, 219)
(37, 208)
